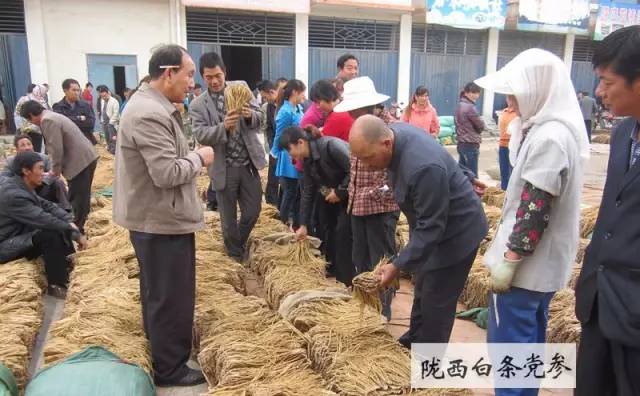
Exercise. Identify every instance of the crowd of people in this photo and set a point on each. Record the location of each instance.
(341, 167)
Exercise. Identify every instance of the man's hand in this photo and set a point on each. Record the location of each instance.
(206, 153)
(246, 112)
(332, 197)
(502, 274)
(387, 273)
(54, 173)
(301, 233)
(231, 120)
(83, 243)
(479, 187)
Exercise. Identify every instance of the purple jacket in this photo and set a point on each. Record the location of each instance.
(469, 124)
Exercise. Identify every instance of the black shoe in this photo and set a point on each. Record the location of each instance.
(57, 291)
(192, 378)
(405, 340)
(212, 208)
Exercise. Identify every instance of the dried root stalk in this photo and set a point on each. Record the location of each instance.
(236, 97)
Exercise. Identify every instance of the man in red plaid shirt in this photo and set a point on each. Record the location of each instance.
(374, 212)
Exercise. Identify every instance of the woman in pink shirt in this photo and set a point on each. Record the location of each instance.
(421, 114)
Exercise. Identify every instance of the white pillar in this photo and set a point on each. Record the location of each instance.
(404, 59)
(36, 41)
(302, 48)
(176, 23)
(569, 42)
(492, 65)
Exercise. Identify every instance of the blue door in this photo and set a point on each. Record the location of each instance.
(101, 70)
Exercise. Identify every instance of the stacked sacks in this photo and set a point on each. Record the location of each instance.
(348, 342)
(245, 347)
(447, 135)
(21, 285)
(103, 301)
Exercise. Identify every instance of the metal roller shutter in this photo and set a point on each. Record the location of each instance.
(12, 16)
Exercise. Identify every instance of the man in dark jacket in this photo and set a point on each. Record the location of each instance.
(53, 188)
(269, 94)
(31, 226)
(445, 216)
(327, 169)
(76, 109)
(608, 289)
(469, 127)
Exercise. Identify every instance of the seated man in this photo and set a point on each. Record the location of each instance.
(31, 226)
(53, 188)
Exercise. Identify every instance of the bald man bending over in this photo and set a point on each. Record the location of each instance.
(445, 216)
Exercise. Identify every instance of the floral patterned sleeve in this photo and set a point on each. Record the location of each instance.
(532, 218)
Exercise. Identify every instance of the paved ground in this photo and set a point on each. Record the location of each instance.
(463, 331)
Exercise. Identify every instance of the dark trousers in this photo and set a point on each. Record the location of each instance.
(36, 140)
(212, 199)
(80, 194)
(271, 193)
(374, 237)
(505, 167)
(56, 192)
(167, 292)
(468, 156)
(243, 188)
(109, 136)
(434, 303)
(54, 247)
(605, 367)
(338, 241)
(588, 125)
(290, 205)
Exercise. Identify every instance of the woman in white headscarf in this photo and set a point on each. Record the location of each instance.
(38, 93)
(535, 245)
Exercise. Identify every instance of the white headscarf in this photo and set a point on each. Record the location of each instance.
(542, 86)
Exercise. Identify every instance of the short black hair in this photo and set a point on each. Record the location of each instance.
(30, 87)
(211, 60)
(165, 55)
(291, 135)
(324, 90)
(621, 51)
(19, 137)
(87, 85)
(344, 58)
(31, 108)
(102, 88)
(25, 160)
(197, 86)
(266, 86)
(66, 84)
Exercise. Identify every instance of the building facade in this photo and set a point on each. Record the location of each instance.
(110, 42)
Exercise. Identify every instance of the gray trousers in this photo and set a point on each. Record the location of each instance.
(243, 189)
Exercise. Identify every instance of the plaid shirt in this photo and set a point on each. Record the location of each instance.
(366, 191)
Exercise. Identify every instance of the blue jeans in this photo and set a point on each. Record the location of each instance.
(468, 156)
(505, 167)
(290, 205)
(521, 318)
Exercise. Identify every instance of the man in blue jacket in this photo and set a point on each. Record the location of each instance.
(608, 290)
(446, 219)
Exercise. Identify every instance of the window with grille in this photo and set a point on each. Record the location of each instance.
(448, 41)
(512, 43)
(12, 16)
(240, 29)
(342, 33)
(583, 50)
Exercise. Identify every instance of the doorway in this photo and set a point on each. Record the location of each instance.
(243, 63)
(119, 80)
(117, 72)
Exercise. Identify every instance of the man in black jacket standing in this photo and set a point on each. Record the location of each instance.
(608, 289)
(269, 93)
(327, 169)
(31, 226)
(445, 216)
(76, 109)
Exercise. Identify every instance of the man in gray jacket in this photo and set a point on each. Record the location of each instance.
(71, 154)
(155, 197)
(239, 155)
(445, 216)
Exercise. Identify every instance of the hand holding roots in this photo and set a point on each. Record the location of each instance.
(367, 287)
(236, 97)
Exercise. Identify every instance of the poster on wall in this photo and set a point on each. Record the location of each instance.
(470, 14)
(554, 16)
(613, 16)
